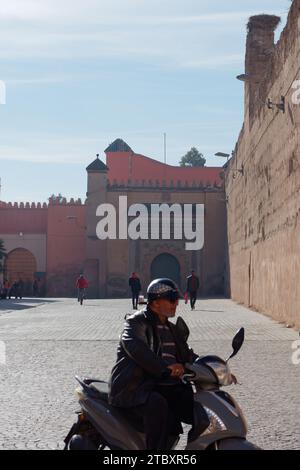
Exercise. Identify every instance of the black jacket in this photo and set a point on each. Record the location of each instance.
(192, 283)
(139, 363)
(135, 284)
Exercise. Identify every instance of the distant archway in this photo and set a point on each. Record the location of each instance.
(166, 265)
(20, 264)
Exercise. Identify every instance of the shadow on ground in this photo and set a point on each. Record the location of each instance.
(22, 304)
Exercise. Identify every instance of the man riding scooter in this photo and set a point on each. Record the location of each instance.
(149, 396)
(146, 379)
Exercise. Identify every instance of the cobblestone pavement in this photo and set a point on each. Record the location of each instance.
(48, 341)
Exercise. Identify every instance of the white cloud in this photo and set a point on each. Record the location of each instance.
(24, 10)
(160, 34)
(166, 48)
(38, 81)
(48, 148)
(215, 61)
(52, 149)
(117, 12)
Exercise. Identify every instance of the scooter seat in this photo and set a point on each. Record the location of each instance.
(101, 388)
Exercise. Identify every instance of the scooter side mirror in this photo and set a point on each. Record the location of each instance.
(183, 328)
(237, 342)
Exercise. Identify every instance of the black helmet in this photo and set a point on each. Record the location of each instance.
(163, 288)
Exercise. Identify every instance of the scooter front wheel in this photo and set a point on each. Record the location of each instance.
(236, 444)
(79, 442)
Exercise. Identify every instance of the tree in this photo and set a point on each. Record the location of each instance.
(59, 197)
(2, 255)
(193, 158)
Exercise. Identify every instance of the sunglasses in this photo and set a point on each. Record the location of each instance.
(173, 297)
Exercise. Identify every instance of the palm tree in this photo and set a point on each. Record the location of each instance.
(2, 254)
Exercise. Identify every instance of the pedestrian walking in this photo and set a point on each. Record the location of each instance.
(81, 285)
(5, 289)
(192, 288)
(135, 285)
(13, 291)
(20, 290)
(35, 288)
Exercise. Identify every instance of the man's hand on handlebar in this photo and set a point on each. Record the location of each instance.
(177, 370)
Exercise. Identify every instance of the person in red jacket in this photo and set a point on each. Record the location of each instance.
(81, 285)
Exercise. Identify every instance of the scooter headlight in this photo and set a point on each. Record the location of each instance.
(79, 393)
(216, 424)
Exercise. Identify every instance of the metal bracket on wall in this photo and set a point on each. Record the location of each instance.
(280, 106)
(238, 170)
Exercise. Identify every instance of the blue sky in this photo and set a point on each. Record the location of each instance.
(80, 73)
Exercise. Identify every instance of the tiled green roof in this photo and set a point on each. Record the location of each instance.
(118, 146)
(97, 165)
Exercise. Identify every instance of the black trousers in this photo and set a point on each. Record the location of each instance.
(193, 298)
(162, 414)
(135, 299)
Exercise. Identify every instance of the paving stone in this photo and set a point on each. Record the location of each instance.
(46, 345)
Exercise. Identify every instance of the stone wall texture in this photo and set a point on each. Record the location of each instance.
(263, 201)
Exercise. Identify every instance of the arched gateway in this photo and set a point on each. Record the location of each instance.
(20, 264)
(166, 265)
